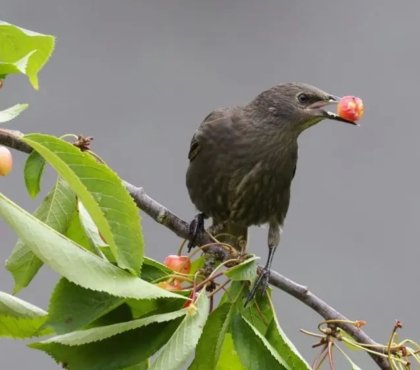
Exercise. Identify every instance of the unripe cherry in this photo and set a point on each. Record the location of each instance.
(6, 161)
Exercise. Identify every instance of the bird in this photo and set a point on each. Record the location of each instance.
(242, 161)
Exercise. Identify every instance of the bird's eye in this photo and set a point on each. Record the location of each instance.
(303, 98)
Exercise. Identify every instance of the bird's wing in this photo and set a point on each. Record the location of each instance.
(194, 146)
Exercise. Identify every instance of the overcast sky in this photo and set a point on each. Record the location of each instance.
(140, 76)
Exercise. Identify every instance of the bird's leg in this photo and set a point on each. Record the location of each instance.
(196, 228)
(274, 233)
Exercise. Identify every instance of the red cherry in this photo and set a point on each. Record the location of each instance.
(350, 107)
(6, 161)
(181, 264)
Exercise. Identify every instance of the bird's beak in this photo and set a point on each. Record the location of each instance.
(319, 105)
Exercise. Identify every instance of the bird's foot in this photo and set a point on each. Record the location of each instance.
(196, 228)
(260, 285)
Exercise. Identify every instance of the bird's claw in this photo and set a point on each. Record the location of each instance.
(196, 228)
(260, 285)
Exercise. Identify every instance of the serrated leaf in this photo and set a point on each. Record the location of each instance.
(246, 270)
(23, 51)
(285, 347)
(114, 353)
(263, 318)
(34, 168)
(12, 112)
(90, 230)
(72, 307)
(141, 307)
(80, 337)
(14, 306)
(122, 313)
(182, 343)
(229, 359)
(19, 66)
(268, 345)
(102, 193)
(260, 311)
(89, 226)
(22, 328)
(235, 294)
(253, 349)
(20, 319)
(209, 346)
(55, 211)
(91, 348)
(142, 366)
(76, 233)
(74, 263)
(197, 264)
(154, 271)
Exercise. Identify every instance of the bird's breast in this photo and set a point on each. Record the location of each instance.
(262, 194)
(242, 176)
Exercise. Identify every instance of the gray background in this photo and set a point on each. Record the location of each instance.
(140, 76)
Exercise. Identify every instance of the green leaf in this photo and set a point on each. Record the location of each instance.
(102, 193)
(264, 319)
(284, 347)
(141, 307)
(90, 229)
(22, 328)
(76, 233)
(182, 343)
(254, 350)
(209, 346)
(34, 168)
(12, 112)
(142, 366)
(80, 337)
(20, 319)
(13, 306)
(229, 358)
(55, 211)
(74, 263)
(246, 270)
(197, 264)
(112, 346)
(122, 313)
(235, 294)
(23, 51)
(114, 353)
(154, 271)
(260, 311)
(72, 307)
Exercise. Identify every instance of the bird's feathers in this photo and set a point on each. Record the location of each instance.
(243, 159)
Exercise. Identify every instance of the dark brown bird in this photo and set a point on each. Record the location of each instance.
(243, 159)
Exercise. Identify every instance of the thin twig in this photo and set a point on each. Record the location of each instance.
(180, 227)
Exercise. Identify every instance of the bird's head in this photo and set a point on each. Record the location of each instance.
(297, 105)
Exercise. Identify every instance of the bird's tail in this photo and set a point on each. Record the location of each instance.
(231, 233)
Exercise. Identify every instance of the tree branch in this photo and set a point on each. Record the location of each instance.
(12, 139)
(168, 219)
